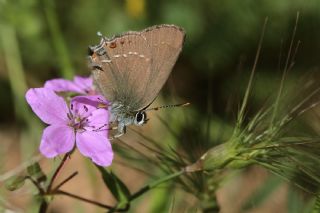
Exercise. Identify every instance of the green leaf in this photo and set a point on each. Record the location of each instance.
(15, 183)
(36, 172)
(118, 189)
(34, 169)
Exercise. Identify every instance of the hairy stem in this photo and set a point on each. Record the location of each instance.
(65, 181)
(60, 192)
(56, 173)
(37, 185)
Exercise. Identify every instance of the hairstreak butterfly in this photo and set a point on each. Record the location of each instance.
(131, 68)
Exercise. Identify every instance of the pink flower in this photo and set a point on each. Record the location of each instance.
(83, 124)
(81, 85)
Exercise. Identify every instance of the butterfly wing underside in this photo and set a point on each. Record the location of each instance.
(133, 67)
(166, 44)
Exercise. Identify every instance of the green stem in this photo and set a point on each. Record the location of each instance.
(285, 70)
(58, 41)
(17, 79)
(147, 188)
(15, 70)
(155, 184)
(249, 87)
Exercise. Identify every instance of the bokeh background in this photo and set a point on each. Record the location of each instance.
(45, 39)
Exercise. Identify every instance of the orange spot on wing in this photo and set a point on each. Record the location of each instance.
(113, 45)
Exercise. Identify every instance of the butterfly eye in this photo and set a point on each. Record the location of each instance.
(140, 118)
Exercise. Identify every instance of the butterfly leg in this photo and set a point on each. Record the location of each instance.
(121, 131)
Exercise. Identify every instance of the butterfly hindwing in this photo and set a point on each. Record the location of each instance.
(166, 43)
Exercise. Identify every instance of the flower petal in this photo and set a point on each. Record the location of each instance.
(47, 105)
(82, 85)
(85, 84)
(95, 146)
(62, 85)
(85, 105)
(93, 100)
(57, 139)
(98, 121)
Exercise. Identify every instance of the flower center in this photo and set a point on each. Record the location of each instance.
(77, 122)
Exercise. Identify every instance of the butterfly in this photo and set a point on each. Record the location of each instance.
(130, 69)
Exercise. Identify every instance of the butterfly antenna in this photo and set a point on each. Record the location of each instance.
(168, 106)
(101, 36)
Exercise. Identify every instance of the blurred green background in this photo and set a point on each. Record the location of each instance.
(44, 39)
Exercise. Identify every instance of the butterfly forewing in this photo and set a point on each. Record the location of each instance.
(132, 68)
(126, 61)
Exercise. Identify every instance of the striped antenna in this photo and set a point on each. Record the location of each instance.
(102, 37)
(168, 106)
